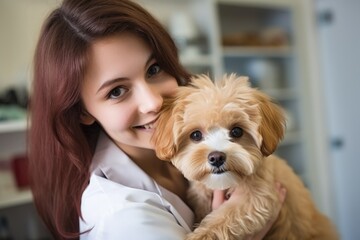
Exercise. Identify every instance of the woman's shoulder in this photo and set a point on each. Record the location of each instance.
(113, 196)
(111, 209)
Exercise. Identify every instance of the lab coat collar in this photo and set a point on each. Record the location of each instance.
(112, 163)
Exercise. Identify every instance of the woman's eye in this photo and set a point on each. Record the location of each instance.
(196, 136)
(117, 92)
(153, 70)
(236, 132)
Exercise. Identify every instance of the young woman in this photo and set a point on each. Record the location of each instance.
(102, 68)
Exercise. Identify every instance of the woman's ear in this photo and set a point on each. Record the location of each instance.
(86, 118)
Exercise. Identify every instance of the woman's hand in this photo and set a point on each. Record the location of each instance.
(220, 196)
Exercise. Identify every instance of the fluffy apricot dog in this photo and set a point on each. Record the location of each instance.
(220, 136)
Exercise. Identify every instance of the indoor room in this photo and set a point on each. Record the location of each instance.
(301, 53)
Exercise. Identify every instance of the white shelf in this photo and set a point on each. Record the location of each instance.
(13, 126)
(15, 198)
(284, 51)
(196, 60)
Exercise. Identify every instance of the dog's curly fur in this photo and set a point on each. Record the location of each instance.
(243, 127)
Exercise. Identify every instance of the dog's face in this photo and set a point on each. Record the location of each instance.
(218, 133)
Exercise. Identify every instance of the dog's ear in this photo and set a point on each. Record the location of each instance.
(163, 137)
(272, 125)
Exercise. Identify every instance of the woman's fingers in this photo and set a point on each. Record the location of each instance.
(218, 198)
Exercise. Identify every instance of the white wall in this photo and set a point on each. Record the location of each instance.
(20, 23)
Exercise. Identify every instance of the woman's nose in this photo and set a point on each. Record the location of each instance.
(149, 98)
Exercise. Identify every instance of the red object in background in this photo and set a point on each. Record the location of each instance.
(19, 165)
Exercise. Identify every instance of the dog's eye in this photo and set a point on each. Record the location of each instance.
(196, 136)
(236, 132)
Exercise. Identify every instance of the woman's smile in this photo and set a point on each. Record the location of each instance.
(147, 126)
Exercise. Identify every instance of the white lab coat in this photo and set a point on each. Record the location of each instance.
(123, 202)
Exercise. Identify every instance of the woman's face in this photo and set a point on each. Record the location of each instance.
(123, 90)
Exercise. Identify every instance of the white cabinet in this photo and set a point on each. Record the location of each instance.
(16, 207)
(272, 43)
(20, 22)
(12, 143)
(258, 41)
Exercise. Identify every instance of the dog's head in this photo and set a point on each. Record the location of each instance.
(218, 132)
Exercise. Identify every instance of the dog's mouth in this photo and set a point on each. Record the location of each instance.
(218, 170)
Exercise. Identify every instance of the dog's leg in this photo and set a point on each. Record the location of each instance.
(240, 217)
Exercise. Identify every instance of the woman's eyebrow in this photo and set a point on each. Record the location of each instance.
(111, 82)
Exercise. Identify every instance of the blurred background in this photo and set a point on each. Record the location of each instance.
(303, 53)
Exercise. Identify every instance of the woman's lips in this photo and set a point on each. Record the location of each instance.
(148, 126)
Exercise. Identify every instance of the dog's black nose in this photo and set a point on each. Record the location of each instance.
(216, 158)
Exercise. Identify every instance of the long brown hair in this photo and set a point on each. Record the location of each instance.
(60, 148)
